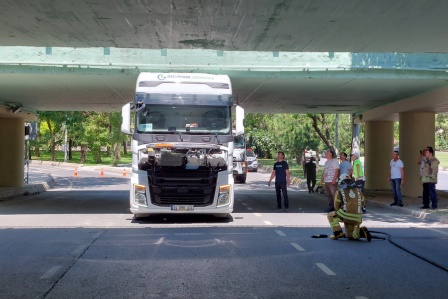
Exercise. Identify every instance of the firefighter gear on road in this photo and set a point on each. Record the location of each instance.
(348, 204)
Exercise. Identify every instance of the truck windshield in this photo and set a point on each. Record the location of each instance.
(238, 142)
(184, 119)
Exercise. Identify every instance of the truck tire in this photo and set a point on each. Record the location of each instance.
(222, 216)
(140, 216)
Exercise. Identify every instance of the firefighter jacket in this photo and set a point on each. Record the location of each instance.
(430, 170)
(348, 203)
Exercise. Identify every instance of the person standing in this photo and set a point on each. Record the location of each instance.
(357, 172)
(396, 178)
(282, 180)
(330, 176)
(310, 174)
(429, 179)
(421, 161)
(345, 167)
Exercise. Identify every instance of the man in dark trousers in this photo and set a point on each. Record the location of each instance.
(281, 174)
(310, 174)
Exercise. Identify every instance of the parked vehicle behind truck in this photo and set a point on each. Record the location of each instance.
(182, 144)
(252, 161)
(239, 159)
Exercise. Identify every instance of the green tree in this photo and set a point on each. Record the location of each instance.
(51, 129)
(441, 132)
(96, 133)
(117, 138)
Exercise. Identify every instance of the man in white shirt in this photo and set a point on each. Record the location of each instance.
(396, 178)
(329, 176)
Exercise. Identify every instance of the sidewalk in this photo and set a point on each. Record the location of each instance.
(383, 199)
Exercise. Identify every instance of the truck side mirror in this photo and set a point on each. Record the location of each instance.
(126, 119)
(239, 122)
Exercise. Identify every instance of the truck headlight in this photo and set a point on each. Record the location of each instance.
(224, 195)
(140, 195)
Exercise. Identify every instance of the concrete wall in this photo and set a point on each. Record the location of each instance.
(11, 152)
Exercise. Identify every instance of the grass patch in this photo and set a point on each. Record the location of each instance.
(443, 158)
(90, 158)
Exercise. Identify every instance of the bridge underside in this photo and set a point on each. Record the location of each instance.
(103, 79)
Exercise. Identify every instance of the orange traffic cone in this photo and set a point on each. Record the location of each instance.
(76, 172)
(102, 172)
(124, 172)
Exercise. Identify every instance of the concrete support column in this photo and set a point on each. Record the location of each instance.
(416, 132)
(11, 152)
(379, 145)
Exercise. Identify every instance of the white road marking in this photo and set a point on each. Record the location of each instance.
(160, 241)
(257, 214)
(267, 222)
(298, 247)
(280, 233)
(51, 272)
(244, 204)
(79, 250)
(325, 269)
(249, 208)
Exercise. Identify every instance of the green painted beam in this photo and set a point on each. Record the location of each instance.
(174, 59)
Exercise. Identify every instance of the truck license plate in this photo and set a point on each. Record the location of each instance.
(182, 207)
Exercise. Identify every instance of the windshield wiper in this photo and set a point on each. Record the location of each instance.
(173, 130)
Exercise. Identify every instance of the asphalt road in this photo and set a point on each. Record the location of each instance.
(79, 240)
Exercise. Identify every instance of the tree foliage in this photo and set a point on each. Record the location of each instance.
(293, 133)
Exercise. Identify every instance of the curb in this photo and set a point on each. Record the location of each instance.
(411, 212)
(54, 163)
(29, 189)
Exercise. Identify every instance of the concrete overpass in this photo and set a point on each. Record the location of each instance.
(378, 61)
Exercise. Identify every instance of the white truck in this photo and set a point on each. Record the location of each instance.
(239, 159)
(182, 144)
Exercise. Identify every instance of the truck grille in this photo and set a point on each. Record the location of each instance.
(190, 187)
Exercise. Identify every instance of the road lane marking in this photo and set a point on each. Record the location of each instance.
(79, 250)
(267, 222)
(297, 246)
(280, 233)
(257, 214)
(325, 269)
(249, 208)
(244, 204)
(160, 241)
(51, 272)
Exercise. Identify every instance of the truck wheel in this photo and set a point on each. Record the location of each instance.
(256, 170)
(222, 216)
(243, 179)
(140, 216)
